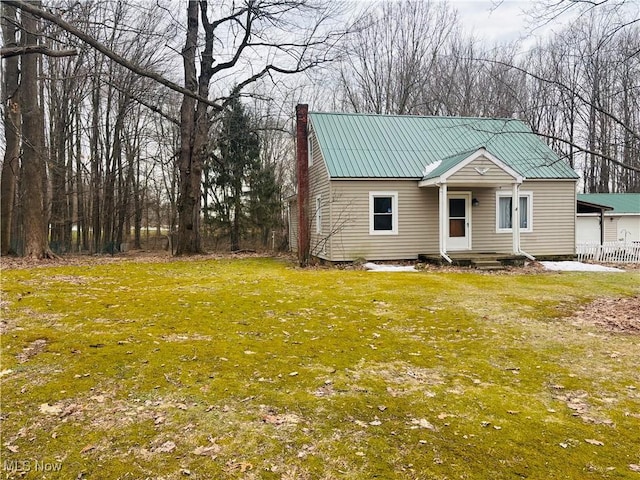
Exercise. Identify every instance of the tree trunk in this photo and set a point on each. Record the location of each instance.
(82, 240)
(125, 198)
(33, 148)
(237, 214)
(188, 241)
(96, 163)
(58, 118)
(137, 208)
(12, 126)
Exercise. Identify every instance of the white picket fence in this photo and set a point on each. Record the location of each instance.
(609, 252)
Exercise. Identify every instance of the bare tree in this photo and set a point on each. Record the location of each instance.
(588, 77)
(33, 171)
(254, 32)
(392, 56)
(243, 43)
(12, 128)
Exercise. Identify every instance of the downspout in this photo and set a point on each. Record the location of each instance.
(442, 207)
(515, 218)
(515, 223)
(525, 254)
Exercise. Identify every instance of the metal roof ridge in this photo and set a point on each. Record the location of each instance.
(464, 152)
(407, 115)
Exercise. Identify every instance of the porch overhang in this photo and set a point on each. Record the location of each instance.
(460, 171)
(445, 170)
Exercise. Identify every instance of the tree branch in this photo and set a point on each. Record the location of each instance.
(145, 104)
(564, 87)
(607, 158)
(26, 7)
(603, 156)
(6, 52)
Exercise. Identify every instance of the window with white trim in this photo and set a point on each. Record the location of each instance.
(310, 149)
(319, 214)
(383, 213)
(504, 211)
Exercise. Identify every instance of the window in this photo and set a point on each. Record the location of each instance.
(310, 149)
(383, 213)
(318, 214)
(504, 211)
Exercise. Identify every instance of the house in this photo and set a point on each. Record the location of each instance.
(390, 187)
(608, 217)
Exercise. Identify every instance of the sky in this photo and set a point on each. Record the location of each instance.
(500, 21)
(505, 22)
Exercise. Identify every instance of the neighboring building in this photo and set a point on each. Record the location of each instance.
(383, 187)
(608, 217)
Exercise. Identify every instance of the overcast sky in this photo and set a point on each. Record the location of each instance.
(504, 23)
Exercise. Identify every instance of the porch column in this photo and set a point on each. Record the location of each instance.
(515, 218)
(443, 218)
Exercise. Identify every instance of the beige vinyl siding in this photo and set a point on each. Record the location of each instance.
(346, 219)
(417, 221)
(483, 222)
(554, 218)
(554, 213)
(469, 175)
(293, 225)
(320, 245)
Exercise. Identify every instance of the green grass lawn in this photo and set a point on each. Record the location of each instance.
(217, 369)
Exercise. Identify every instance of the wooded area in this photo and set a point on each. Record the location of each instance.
(126, 121)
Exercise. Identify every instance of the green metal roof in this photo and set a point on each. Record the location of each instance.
(403, 146)
(434, 170)
(620, 202)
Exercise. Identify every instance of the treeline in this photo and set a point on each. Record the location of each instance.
(579, 88)
(109, 139)
(95, 146)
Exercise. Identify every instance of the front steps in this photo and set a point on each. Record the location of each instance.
(486, 261)
(487, 264)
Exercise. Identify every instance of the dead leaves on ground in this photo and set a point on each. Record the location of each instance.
(578, 402)
(620, 315)
(208, 451)
(282, 419)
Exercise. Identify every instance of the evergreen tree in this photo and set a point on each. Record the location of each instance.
(229, 169)
(264, 201)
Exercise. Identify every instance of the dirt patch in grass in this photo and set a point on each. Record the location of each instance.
(620, 315)
(33, 349)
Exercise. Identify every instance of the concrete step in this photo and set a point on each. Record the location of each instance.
(486, 264)
(491, 268)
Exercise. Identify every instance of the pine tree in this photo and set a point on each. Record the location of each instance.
(229, 169)
(264, 201)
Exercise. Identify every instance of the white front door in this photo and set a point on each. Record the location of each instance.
(459, 221)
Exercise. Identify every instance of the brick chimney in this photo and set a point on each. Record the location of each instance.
(302, 169)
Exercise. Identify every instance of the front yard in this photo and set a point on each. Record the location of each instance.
(220, 369)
